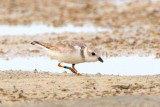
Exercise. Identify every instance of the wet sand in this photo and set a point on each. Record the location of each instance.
(117, 101)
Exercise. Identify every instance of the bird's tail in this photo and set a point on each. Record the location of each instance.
(35, 42)
(42, 44)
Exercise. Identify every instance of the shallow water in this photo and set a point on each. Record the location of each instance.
(123, 2)
(132, 65)
(39, 29)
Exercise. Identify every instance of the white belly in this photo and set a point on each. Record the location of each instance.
(73, 58)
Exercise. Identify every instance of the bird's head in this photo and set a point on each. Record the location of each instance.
(92, 54)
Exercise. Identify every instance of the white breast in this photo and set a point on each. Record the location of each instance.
(72, 58)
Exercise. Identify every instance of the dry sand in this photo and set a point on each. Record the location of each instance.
(43, 86)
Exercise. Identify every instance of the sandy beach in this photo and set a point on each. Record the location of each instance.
(42, 86)
(22, 88)
(132, 29)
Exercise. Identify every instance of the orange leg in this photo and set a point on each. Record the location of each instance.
(75, 70)
(67, 68)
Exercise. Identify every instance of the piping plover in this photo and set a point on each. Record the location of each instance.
(72, 52)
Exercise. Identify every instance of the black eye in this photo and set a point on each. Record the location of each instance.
(93, 53)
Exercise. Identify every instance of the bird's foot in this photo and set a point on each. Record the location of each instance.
(79, 74)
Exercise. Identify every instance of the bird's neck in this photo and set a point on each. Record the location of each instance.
(86, 54)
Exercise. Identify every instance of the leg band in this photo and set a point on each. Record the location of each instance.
(66, 67)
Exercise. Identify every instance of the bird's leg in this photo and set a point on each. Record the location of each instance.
(67, 68)
(75, 70)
